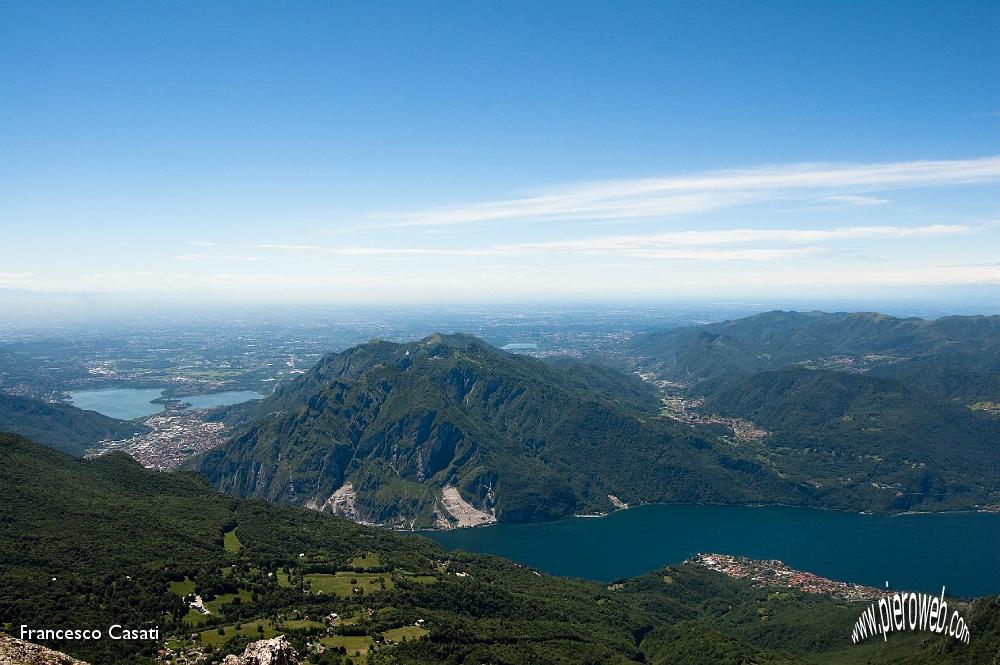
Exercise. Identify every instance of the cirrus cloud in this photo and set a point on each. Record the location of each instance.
(681, 245)
(705, 192)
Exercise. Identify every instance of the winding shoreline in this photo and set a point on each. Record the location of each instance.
(995, 510)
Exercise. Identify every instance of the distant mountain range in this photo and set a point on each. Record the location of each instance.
(451, 431)
(869, 442)
(957, 357)
(61, 426)
(879, 413)
(861, 411)
(855, 411)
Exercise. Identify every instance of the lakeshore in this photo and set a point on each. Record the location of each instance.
(912, 552)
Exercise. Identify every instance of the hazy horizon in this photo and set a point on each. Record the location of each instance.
(28, 310)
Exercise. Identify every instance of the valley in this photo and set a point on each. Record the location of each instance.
(451, 431)
(173, 436)
(264, 515)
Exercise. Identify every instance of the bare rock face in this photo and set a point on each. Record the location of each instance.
(19, 652)
(276, 651)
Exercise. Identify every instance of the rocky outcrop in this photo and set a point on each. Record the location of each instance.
(276, 651)
(19, 652)
(617, 503)
(343, 502)
(461, 511)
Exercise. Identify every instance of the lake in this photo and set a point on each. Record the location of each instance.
(914, 552)
(213, 400)
(128, 403)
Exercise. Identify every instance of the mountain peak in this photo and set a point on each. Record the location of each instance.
(458, 340)
(412, 435)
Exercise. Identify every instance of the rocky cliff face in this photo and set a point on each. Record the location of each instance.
(276, 651)
(19, 652)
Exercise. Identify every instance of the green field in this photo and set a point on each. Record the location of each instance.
(353, 644)
(351, 620)
(369, 560)
(194, 618)
(406, 632)
(232, 542)
(422, 579)
(215, 606)
(340, 583)
(301, 624)
(248, 629)
(182, 589)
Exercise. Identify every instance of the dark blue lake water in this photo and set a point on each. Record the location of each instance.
(914, 552)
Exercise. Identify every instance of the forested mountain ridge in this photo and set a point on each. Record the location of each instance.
(957, 356)
(872, 441)
(392, 433)
(875, 412)
(450, 431)
(143, 542)
(61, 426)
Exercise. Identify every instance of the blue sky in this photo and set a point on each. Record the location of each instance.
(473, 151)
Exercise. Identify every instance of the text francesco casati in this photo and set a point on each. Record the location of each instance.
(113, 632)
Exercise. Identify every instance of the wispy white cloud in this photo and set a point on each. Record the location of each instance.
(16, 280)
(749, 254)
(856, 199)
(678, 195)
(743, 236)
(156, 280)
(923, 276)
(680, 245)
(218, 257)
(636, 249)
(369, 251)
(307, 280)
(141, 280)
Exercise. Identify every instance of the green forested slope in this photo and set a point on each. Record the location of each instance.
(125, 543)
(515, 435)
(875, 412)
(61, 426)
(956, 356)
(870, 440)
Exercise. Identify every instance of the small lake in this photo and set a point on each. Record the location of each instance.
(911, 552)
(128, 403)
(124, 403)
(213, 400)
